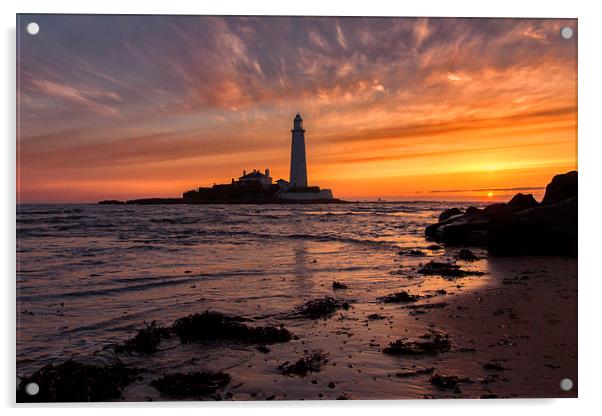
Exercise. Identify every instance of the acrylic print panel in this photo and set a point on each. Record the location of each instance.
(257, 208)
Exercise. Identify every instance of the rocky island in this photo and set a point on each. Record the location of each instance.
(256, 187)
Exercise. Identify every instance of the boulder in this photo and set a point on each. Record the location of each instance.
(561, 188)
(449, 213)
(519, 227)
(522, 201)
(473, 210)
(545, 230)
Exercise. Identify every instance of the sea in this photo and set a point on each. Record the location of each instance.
(89, 276)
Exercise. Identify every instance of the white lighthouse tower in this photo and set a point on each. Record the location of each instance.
(298, 177)
(297, 189)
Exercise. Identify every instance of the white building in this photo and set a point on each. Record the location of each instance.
(297, 188)
(298, 178)
(249, 179)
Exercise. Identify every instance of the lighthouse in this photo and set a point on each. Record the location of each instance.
(298, 178)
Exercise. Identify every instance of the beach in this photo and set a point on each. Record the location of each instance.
(89, 277)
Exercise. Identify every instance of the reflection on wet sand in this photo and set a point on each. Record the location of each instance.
(258, 270)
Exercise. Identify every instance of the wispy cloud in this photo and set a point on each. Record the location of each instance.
(155, 89)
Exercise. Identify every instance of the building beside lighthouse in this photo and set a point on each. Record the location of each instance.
(298, 188)
(258, 187)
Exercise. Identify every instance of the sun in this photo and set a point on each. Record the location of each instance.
(490, 194)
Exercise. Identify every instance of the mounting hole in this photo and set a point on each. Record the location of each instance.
(566, 384)
(32, 389)
(566, 32)
(33, 28)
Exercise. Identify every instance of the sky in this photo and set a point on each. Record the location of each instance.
(125, 107)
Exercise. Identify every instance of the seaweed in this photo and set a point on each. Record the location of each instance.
(211, 325)
(309, 364)
(321, 308)
(467, 255)
(494, 366)
(448, 382)
(434, 343)
(191, 384)
(146, 341)
(399, 297)
(72, 381)
(446, 270)
(338, 285)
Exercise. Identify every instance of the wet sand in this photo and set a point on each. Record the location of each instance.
(525, 320)
(511, 323)
(513, 333)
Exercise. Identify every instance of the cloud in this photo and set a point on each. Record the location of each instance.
(341, 37)
(91, 99)
(517, 189)
(183, 81)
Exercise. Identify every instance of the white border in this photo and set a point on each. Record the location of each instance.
(590, 217)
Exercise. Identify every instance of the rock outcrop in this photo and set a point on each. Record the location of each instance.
(520, 227)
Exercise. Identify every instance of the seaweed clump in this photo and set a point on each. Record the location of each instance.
(467, 255)
(146, 341)
(432, 344)
(448, 382)
(309, 364)
(321, 308)
(446, 270)
(338, 285)
(192, 384)
(399, 297)
(217, 326)
(72, 381)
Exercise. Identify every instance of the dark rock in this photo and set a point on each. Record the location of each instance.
(434, 343)
(545, 230)
(473, 211)
(217, 326)
(375, 317)
(309, 364)
(520, 227)
(321, 308)
(193, 384)
(332, 385)
(72, 381)
(467, 255)
(467, 229)
(522, 201)
(562, 187)
(449, 213)
(146, 341)
(338, 286)
(518, 203)
(399, 297)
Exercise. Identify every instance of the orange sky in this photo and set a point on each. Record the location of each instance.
(393, 108)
